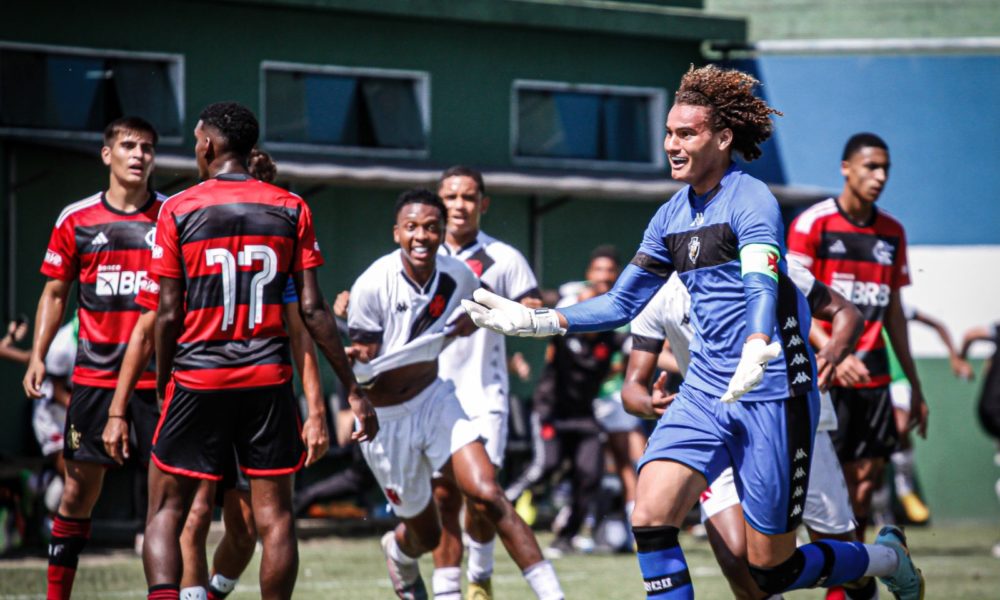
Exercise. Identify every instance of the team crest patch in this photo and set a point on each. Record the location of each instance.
(694, 249)
(436, 307)
(74, 438)
(393, 496)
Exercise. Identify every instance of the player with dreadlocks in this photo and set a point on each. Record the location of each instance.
(750, 399)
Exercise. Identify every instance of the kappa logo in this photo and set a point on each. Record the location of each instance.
(796, 510)
(794, 341)
(801, 378)
(798, 492)
(53, 258)
(698, 220)
(401, 307)
(882, 252)
(791, 323)
(800, 454)
(99, 240)
(799, 359)
(837, 247)
(800, 473)
(694, 249)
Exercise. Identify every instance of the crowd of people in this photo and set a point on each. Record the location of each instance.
(767, 379)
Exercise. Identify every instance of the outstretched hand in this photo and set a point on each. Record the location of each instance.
(501, 315)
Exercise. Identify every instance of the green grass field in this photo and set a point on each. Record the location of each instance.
(955, 559)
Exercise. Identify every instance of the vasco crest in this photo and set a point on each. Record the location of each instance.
(694, 248)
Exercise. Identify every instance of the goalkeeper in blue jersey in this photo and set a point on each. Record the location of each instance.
(750, 398)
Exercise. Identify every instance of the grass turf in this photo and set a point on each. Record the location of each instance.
(955, 559)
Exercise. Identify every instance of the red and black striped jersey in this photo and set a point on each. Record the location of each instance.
(865, 263)
(108, 252)
(233, 241)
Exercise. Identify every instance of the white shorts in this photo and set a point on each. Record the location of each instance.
(415, 439)
(828, 508)
(492, 428)
(611, 414)
(48, 419)
(900, 393)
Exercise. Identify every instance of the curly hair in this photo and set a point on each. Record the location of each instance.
(262, 166)
(236, 123)
(728, 94)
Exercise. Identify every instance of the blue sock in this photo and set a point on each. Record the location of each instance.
(661, 560)
(830, 562)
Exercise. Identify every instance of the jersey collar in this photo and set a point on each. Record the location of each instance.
(139, 211)
(847, 217)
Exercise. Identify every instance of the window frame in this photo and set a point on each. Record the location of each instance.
(422, 83)
(176, 72)
(657, 117)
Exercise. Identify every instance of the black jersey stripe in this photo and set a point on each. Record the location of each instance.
(206, 291)
(237, 219)
(446, 287)
(114, 235)
(708, 246)
(862, 247)
(230, 354)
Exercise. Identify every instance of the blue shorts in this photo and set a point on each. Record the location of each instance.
(768, 444)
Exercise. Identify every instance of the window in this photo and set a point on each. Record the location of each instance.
(590, 126)
(62, 92)
(373, 112)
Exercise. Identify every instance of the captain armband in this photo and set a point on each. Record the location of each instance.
(760, 258)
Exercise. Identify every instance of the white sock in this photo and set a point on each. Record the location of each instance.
(447, 583)
(480, 566)
(880, 501)
(902, 463)
(223, 584)
(194, 593)
(542, 579)
(882, 560)
(396, 553)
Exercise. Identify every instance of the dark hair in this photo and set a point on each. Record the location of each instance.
(728, 94)
(862, 140)
(421, 196)
(130, 123)
(605, 251)
(463, 171)
(262, 166)
(236, 123)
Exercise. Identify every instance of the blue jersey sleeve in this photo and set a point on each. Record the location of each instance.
(290, 296)
(756, 218)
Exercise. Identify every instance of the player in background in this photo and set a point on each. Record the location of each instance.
(904, 468)
(401, 313)
(224, 252)
(477, 365)
(235, 549)
(827, 512)
(723, 234)
(101, 242)
(989, 397)
(859, 250)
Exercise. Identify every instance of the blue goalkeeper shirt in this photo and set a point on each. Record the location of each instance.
(701, 238)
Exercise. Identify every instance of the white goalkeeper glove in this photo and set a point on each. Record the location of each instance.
(511, 318)
(749, 373)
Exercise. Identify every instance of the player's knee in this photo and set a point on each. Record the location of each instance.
(487, 499)
(448, 499)
(774, 580)
(425, 537)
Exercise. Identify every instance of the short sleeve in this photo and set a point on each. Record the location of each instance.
(519, 280)
(649, 323)
(364, 311)
(61, 258)
(756, 218)
(149, 293)
(800, 275)
(802, 242)
(901, 267)
(166, 260)
(307, 254)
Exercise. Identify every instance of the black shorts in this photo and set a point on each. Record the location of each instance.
(88, 414)
(866, 427)
(232, 479)
(199, 430)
